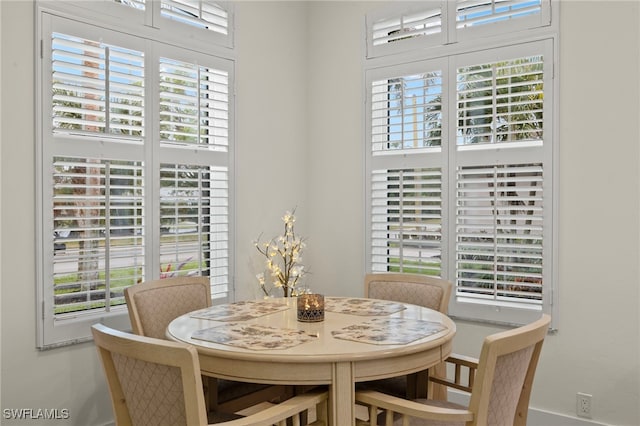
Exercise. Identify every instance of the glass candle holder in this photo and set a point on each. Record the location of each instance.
(310, 307)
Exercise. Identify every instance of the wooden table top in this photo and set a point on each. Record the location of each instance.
(352, 329)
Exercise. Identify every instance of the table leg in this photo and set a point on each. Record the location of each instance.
(342, 395)
(436, 391)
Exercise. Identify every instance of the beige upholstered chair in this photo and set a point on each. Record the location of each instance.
(499, 383)
(157, 383)
(422, 290)
(154, 304)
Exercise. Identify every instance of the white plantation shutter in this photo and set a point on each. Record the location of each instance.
(204, 14)
(503, 183)
(92, 186)
(501, 102)
(499, 229)
(194, 105)
(483, 12)
(97, 88)
(406, 221)
(97, 223)
(484, 18)
(460, 177)
(405, 185)
(194, 113)
(136, 184)
(198, 13)
(418, 25)
(194, 224)
(406, 112)
(405, 28)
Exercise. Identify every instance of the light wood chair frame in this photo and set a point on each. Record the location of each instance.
(185, 358)
(479, 382)
(417, 383)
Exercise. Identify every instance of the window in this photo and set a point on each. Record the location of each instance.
(208, 15)
(198, 13)
(135, 160)
(460, 172)
(418, 25)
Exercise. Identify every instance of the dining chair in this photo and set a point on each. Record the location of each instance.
(152, 305)
(423, 290)
(157, 382)
(499, 382)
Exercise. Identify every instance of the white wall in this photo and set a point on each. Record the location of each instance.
(300, 143)
(336, 147)
(271, 125)
(63, 378)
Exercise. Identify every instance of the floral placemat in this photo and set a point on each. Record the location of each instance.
(389, 331)
(240, 311)
(253, 336)
(366, 307)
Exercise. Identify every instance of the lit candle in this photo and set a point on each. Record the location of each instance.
(310, 307)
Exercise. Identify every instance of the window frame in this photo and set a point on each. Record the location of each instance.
(147, 23)
(397, 12)
(191, 32)
(52, 332)
(450, 34)
(408, 60)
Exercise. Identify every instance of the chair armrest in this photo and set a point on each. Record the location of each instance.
(460, 381)
(293, 407)
(468, 361)
(377, 400)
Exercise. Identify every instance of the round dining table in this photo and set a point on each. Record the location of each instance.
(358, 340)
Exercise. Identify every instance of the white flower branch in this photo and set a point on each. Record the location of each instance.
(283, 259)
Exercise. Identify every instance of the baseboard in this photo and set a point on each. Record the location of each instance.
(536, 417)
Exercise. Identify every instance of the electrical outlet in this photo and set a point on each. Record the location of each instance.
(583, 405)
